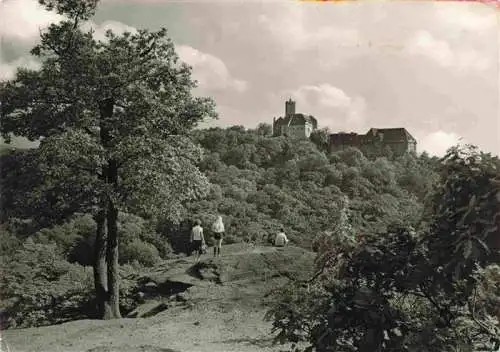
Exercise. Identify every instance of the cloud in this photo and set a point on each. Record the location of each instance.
(331, 106)
(437, 143)
(229, 116)
(8, 69)
(443, 57)
(291, 29)
(210, 71)
(325, 95)
(425, 44)
(293, 26)
(22, 20)
(462, 16)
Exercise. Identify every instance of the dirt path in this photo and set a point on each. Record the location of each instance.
(198, 330)
(226, 316)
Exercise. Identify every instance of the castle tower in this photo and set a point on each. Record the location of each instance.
(289, 107)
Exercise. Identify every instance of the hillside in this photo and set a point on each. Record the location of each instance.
(258, 184)
(216, 305)
(345, 204)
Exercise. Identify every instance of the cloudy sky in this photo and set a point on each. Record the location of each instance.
(431, 67)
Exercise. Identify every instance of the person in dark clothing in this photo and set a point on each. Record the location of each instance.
(197, 240)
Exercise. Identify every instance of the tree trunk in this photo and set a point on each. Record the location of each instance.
(110, 174)
(113, 298)
(100, 267)
(372, 341)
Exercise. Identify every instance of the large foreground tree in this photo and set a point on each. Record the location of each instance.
(112, 117)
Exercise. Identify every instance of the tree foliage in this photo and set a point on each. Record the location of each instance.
(281, 182)
(401, 290)
(39, 287)
(111, 116)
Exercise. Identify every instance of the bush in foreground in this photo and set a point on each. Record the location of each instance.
(39, 287)
(43, 288)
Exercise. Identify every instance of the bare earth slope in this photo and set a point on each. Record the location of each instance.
(217, 305)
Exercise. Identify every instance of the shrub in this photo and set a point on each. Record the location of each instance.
(145, 253)
(74, 239)
(42, 288)
(159, 242)
(129, 298)
(9, 243)
(230, 239)
(138, 237)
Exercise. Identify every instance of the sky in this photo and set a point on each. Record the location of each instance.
(431, 67)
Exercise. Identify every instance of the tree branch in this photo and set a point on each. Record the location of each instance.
(51, 47)
(319, 272)
(90, 170)
(75, 26)
(129, 157)
(428, 296)
(472, 309)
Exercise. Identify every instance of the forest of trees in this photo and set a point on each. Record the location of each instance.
(257, 182)
(407, 247)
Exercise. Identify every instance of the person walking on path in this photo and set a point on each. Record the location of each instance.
(218, 230)
(197, 239)
(281, 240)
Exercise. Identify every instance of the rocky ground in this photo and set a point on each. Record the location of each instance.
(216, 305)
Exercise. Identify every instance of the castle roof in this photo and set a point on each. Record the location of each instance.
(297, 119)
(391, 135)
(387, 135)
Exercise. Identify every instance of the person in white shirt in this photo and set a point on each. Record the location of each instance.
(197, 240)
(281, 240)
(218, 230)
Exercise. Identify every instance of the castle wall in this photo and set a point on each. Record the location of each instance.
(412, 147)
(370, 147)
(302, 131)
(294, 131)
(308, 128)
(399, 148)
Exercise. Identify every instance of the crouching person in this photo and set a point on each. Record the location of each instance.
(281, 240)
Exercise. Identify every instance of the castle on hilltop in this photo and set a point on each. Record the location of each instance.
(375, 142)
(293, 124)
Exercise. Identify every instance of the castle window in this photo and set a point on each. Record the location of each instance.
(412, 147)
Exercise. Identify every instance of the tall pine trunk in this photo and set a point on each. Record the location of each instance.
(113, 297)
(100, 267)
(110, 174)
